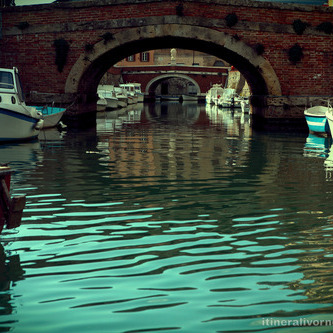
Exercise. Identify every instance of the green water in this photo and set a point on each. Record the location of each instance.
(169, 218)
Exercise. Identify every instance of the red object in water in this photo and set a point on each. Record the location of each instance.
(11, 208)
(5, 175)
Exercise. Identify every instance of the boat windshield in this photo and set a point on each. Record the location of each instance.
(19, 87)
(6, 80)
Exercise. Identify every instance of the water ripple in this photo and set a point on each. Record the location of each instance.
(169, 227)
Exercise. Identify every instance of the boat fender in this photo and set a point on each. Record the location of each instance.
(39, 124)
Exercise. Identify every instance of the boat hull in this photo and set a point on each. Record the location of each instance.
(100, 107)
(329, 117)
(141, 98)
(132, 99)
(122, 101)
(112, 103)
(316, 119)
(51, 115)
(318, 124)
(16, 126)
(101, 104)
(172, 98)
(189, 98)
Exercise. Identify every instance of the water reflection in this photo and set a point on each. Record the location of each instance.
(20, 153)
(173, 112)
(10, 272)
(178, 153)
(317, 146)
(170, 218)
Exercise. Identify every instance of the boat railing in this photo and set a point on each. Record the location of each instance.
(45, 110)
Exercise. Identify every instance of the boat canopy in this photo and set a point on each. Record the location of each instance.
(10, 82)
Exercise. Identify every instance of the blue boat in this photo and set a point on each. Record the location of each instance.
(316, 119)
(51, 115)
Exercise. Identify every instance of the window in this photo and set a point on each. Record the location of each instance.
(131, 58)
(144, 56)
(6, 80)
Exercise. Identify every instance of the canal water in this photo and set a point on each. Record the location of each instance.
(170, 218)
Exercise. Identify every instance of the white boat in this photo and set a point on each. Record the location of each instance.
(101, 103)
(209, 96)
(229, 99)
(121, 95)
(137, 88)
(17, 120)
(214, 94)
(316, 119)
(51, 115)
(132, 94)
(132, 99)
(111, 99)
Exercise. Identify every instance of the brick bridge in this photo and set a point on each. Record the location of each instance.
(284, 51)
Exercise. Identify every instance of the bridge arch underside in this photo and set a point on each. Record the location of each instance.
(87, 72)
(154, 83)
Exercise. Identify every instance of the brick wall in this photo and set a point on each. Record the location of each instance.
(32, 50)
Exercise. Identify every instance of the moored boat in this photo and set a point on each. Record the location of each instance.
(316, 119)
(17, 120)
(189, 98)
(214, 94)
(107, 92)
(121, 95)
(132, 94)
(111, 100)
(101, 103)
(329, 117)
(137, 88)
(229, 99)
(171, 98)
(51, 115)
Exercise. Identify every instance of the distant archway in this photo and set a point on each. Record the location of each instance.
(152, 84)
(91, 66)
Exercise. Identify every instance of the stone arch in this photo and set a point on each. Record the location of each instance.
(156, 80)
(91, 66)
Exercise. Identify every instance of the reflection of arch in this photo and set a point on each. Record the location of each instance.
(152, 84)
(91, 66)
(173, 113)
